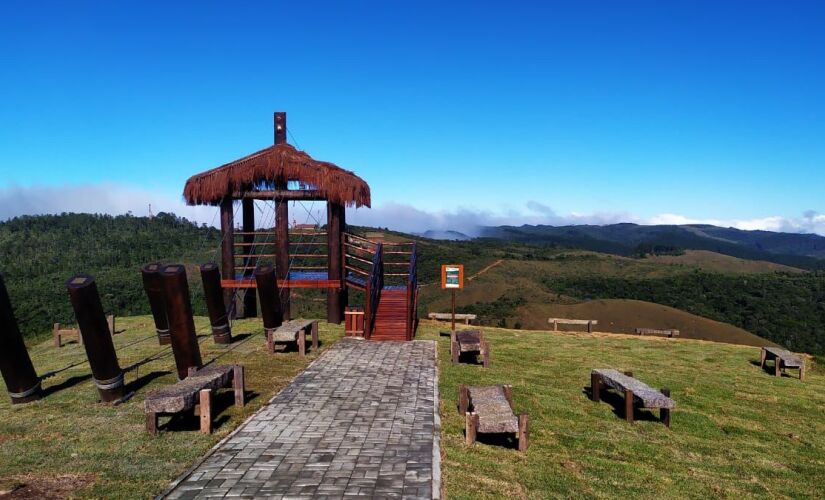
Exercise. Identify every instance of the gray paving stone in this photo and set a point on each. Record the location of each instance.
(359, 421)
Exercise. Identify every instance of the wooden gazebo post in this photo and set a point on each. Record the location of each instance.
(336, 226)
(282, 223)
(250, 308)
(228, 252)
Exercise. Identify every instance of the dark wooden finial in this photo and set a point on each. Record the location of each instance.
(280, 127)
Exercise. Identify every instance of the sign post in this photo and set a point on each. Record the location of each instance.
(452, 278)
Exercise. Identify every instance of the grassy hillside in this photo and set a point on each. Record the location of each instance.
(624, 316)
(798, 250)
(737, 432)
(68, 445)
(720, 263)
(780, 304)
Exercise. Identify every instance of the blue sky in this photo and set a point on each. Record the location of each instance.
(472, 112)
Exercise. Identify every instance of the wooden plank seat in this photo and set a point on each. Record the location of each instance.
(194, 393)
(782, 359)
(489, 409)
(466, 318)
(636, 393)
(469, 341)
(670, 333)
(590, 323)
(293, 331)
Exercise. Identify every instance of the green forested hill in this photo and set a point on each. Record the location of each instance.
(39, 253)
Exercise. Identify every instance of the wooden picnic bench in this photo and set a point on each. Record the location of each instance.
(489, 409)
(194, 393)
(565, 321)
(294, 330)
(635, 392)
(466, 318)
(654, 331)
(469, 341)
(782, 359)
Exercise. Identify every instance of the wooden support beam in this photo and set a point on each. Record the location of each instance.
(206, 411)
(227, 252)
(250, 307)
(336, 299)
(238, 385)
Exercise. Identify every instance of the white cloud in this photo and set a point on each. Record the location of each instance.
(118, 199)
(95, 198)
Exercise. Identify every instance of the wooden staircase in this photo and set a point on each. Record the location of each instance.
(391, 316)
(390, 286)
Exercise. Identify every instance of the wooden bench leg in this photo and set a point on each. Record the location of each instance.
(595, 387)
(523, 432)
(270, 345)
(471, 427)
(802, 372)
(664, 413)
(628, 406)
(485, 354)
(238, 385)
(463, 399)
(508, 394)
(56, 335)
(314, 336)
(302, 342)
(762, 356)
(152, 423)
(453, 347)
(206, 411)
(777, 366)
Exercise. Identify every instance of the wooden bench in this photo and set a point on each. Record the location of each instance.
(294, 330)
(194, 393)
(469, 341)
(782, 359)
(636, 393)
(466, 318)
(654, 331)
(564, 321)
(489, 409)
(59, 332)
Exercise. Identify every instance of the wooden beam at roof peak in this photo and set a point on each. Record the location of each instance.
(282, 194)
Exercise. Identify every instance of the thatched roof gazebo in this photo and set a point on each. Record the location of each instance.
(279, 174)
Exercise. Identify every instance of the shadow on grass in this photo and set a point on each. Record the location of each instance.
(141, 382)
(470, 358)
(66, 384)
(771, 370)
(616, 401)
(240, 338)
(502, 439)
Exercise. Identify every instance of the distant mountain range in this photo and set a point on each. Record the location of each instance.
(793, 249)
(445, 235)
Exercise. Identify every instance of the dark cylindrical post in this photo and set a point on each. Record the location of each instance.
(268, 294)
(228, 252)
(211, 277)
(16, 366)
(181, 323)
(154, 292)
(282, 224)
(97, 339)
(335, 261)
(250, 309)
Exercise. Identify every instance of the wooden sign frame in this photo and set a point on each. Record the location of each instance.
(444, 284)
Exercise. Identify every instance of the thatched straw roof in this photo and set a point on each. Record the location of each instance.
(276, 164)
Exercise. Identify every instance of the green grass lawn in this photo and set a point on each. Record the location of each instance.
(737, 431)
(68, 442)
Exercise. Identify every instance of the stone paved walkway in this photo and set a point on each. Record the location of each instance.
(361, 420)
